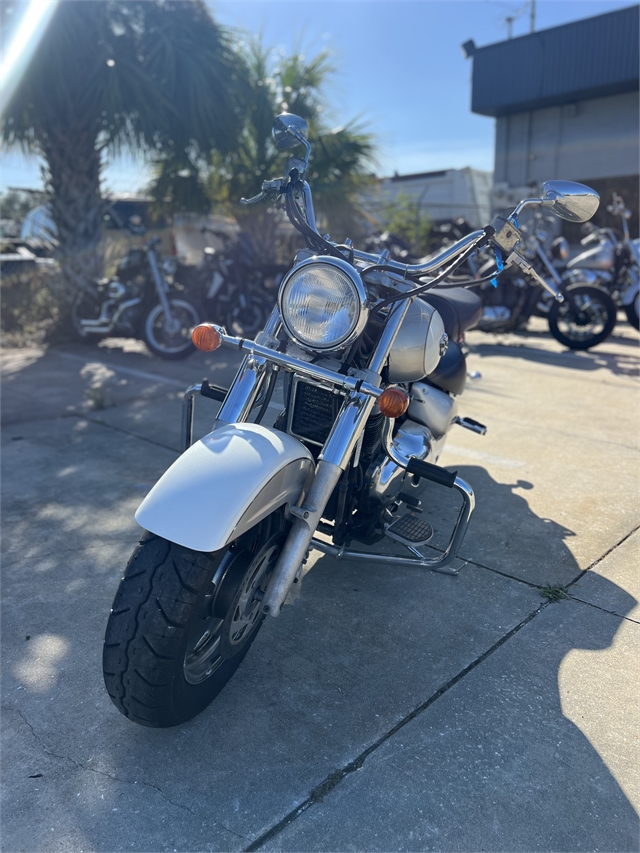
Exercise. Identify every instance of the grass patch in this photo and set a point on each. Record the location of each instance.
(553, 593)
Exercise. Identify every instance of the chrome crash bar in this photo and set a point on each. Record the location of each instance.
(435, 564)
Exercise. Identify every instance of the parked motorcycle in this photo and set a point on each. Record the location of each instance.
(585, 318)
(372, 374)
(234, 288)
(612, 262)
(138, 302)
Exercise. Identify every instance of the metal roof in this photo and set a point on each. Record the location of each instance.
(584, 59)
(418, 175)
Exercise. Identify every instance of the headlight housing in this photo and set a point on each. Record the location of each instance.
(323, 304)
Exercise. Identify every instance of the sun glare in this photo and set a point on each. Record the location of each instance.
(23, 45)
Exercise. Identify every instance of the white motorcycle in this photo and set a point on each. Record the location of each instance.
(371, 372)
(612, 263)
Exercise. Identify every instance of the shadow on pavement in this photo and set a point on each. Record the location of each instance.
(618, 363)
(496, 763)
(359, 651)
(504, 533)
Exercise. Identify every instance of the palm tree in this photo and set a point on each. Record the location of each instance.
(340, 161)
(111, 74)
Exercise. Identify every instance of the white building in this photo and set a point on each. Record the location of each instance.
(565, 102)
(440, 195)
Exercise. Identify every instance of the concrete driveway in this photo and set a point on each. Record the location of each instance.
(385, 709)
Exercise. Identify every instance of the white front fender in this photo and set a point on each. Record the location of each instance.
(224, 484)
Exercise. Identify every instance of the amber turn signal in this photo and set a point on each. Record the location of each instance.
(206, 337)
(393, 402)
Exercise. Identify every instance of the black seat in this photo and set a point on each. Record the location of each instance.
(459, 308)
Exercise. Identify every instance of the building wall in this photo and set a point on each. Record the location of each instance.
(443, 195)
(596, 138)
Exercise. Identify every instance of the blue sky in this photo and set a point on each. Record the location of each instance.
(399, 69)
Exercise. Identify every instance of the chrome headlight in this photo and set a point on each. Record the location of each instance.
(323, 304)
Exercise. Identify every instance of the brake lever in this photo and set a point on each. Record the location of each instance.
(269, 190)
(527, 269)
(255, 199)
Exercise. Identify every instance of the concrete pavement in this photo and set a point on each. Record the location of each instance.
(384, 710)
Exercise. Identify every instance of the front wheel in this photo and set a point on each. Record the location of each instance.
(585, 318)
(170, 337)
(247, 316)
(182, 622)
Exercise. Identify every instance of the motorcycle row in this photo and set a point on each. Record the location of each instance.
(361, 358)
(161, 300)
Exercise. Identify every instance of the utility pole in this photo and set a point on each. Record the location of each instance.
(532, 16)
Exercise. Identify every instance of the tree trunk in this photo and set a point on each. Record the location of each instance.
(77, 206)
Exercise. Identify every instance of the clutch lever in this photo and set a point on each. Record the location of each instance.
(527, 269)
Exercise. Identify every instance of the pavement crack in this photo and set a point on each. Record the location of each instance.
(580, 574)
(530, 584)
(336, 776)
(602, 609)
(100, 422)
(80, 766)
(602, 557)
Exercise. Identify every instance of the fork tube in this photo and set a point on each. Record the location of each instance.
(273, 323)
(334, 458)
(553, 272)
(391, 328)
(161, 287)
(244, 390)
(248, 380)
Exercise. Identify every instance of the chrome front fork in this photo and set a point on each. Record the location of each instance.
(333, 460)
(161, 288)
(336, 453)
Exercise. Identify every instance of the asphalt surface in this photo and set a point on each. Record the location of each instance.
(385, 709)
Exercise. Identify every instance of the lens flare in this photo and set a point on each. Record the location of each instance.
(23, 45)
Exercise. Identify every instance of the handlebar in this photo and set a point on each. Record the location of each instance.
(438, 260)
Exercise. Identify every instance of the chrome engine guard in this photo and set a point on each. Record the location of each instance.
(436, 564)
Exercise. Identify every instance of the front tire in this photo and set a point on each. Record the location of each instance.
(166, 339)
(585, 319)
(182, 622)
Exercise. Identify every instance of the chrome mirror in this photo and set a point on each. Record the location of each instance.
(569, 200)
(289, 130)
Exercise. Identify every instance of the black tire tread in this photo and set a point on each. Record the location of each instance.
(146, 627)
(595, 339)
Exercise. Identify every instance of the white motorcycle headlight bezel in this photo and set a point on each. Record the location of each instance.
(360, 299)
